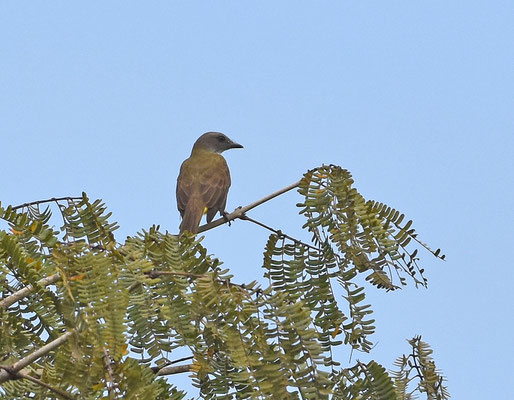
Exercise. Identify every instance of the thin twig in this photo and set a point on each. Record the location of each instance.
(20, 294)
(435, 253)
(240, 211)
(22, 375)
(226, 282)
(156, 369)
(414, 358)
(45, 201)
(279, 233)
(155, 274)
(18, 366)
(180, 360)
(174, 370)
(111, 384)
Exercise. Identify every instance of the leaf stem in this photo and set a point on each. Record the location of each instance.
(53, 199)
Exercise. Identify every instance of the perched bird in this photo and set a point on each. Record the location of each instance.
(204, 180)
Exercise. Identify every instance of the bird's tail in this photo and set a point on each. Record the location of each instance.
(192, 215)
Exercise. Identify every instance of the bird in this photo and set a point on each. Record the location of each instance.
(204, 181)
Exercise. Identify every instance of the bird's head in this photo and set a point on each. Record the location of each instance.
(216, 142)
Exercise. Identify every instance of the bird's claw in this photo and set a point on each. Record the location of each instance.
(225, 217)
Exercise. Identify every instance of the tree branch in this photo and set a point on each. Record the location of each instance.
(174, 370)
(18, 366)
(237, 213)
(155, 274)
(279, 233)
(56, 199)
(156, 369)
(112, 385)
(240, 211)
(20, 294)
(226, 282)
(22, 375)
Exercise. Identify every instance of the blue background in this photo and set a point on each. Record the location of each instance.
(415, 98)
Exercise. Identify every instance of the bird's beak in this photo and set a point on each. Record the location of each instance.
(235, 145)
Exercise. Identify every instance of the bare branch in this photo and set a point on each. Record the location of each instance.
(53, 199)
(20, 294)
(226, 282)
(181, 359)
(111, 382)
(279, 233)
(156, 369)
(174, 370)
(18, 366)
(240, 211)
(22, 375)
(155, 274)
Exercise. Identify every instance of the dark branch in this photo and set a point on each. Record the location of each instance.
(279, 232)
(225, 282)
(111, 382)
(180, 360)
(155, 274)
(53, 199)
(156, 369)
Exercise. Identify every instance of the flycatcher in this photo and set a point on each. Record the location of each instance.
(204, 180)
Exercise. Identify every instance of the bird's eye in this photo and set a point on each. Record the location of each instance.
(221, 138)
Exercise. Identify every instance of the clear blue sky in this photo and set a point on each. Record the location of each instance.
(415, 98)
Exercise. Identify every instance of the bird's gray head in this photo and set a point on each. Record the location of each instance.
(216, 142)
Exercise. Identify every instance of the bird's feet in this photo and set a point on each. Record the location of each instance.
(225, 214)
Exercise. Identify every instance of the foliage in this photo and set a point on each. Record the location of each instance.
(420, 366)
(128, 307)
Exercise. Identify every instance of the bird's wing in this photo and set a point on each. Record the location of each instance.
(185, 187)
(214, 186)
